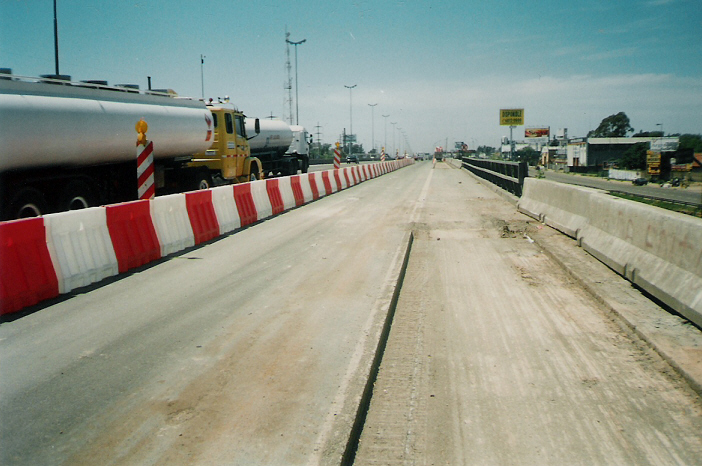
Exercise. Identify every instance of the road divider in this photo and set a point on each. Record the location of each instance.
(657, 250)
(41, 258)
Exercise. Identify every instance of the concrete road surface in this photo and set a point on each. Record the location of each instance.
(256, 349)
(496, 356)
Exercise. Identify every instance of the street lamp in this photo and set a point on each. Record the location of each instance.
(350, 118)
(297, 110)
(202, 74)
(372, 106)
(385, 143)
(393, 136)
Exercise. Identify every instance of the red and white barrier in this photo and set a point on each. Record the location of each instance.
(43, 257)
(80, 247)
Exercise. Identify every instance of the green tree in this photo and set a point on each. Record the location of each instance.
(635, 157)
(614, 126)
(528, 155)
(691, 141)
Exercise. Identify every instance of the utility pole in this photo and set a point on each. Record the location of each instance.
(288, 83)
(297, 110)
(372, 106)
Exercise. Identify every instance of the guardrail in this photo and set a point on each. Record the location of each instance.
(507, 175)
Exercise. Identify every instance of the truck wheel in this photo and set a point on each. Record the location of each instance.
(28, 202)
(305, 165)
(202, 180)
(77, 195)
(253, 176)
(293, 167)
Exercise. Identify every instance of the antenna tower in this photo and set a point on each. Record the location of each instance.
(288, 82)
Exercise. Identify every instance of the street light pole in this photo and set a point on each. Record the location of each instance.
(56, 48)
(202, 75)
(385, 143)
(297, 110)
(372, 106)
(350, 118)
(393, 136)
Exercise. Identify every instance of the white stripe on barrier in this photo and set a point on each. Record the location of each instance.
(80, 247)
(225, 208)
(286, 192)
(261, 199)
(169, 215)
(306, 186)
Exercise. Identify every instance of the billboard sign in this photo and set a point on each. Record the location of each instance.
(537, 132)
(665, 144)
(511, 117)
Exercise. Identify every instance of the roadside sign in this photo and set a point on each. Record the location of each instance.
(512, 117)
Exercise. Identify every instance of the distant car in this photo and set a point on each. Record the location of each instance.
(351, 159)
(640, 181)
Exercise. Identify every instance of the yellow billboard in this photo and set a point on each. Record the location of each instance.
(512, 117)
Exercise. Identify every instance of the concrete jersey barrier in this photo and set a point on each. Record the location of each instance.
(658, 250)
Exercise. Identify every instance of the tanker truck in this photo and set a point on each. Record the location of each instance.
(282, 149)
(68, 145)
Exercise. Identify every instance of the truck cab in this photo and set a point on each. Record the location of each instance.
(229, 159)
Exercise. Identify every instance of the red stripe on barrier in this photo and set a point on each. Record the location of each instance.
(348, 181)
(27, 274)
(274, 195)
(297, 190)
(327, 183)
(338, 180)
(356, 178)
(145, 176)
(366, 175)
(202, 215)
(245, 204)
(133, 234)
(313, 186)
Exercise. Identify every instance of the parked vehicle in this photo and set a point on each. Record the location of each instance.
(351, 159)
(69, 145)
(640, 181)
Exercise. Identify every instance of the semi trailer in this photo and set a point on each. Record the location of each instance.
(69, 145)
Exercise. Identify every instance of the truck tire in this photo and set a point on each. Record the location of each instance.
(305, 164)
(253, 176)
(28, 202)
(78, 194)
(201, 180)
(292, 170)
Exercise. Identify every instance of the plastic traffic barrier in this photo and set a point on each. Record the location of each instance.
(133, 234)
(315, 183)
(338, 179)
(274, 196)
(245, 204)
(328, 187)
(259, 193)
(296, 189)
(80, 247)
(202, 215)
(225, 208)
(27, 274)
(172, 223)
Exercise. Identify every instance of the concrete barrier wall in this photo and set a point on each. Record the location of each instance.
(658, 250)
(43, 257)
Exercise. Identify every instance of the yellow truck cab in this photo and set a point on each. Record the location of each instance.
(229, 159)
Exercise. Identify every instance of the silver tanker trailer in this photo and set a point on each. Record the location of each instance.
(282, 149)
(70, 145)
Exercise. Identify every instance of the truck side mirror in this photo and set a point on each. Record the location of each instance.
(257, 126)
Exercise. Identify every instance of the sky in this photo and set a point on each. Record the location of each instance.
(439, 70)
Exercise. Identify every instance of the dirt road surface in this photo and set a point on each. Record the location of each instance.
(257, 349)
(496, 356)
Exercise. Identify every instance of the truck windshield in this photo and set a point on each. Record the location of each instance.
(240, 129)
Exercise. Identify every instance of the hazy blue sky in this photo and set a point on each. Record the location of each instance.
(440, 69)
